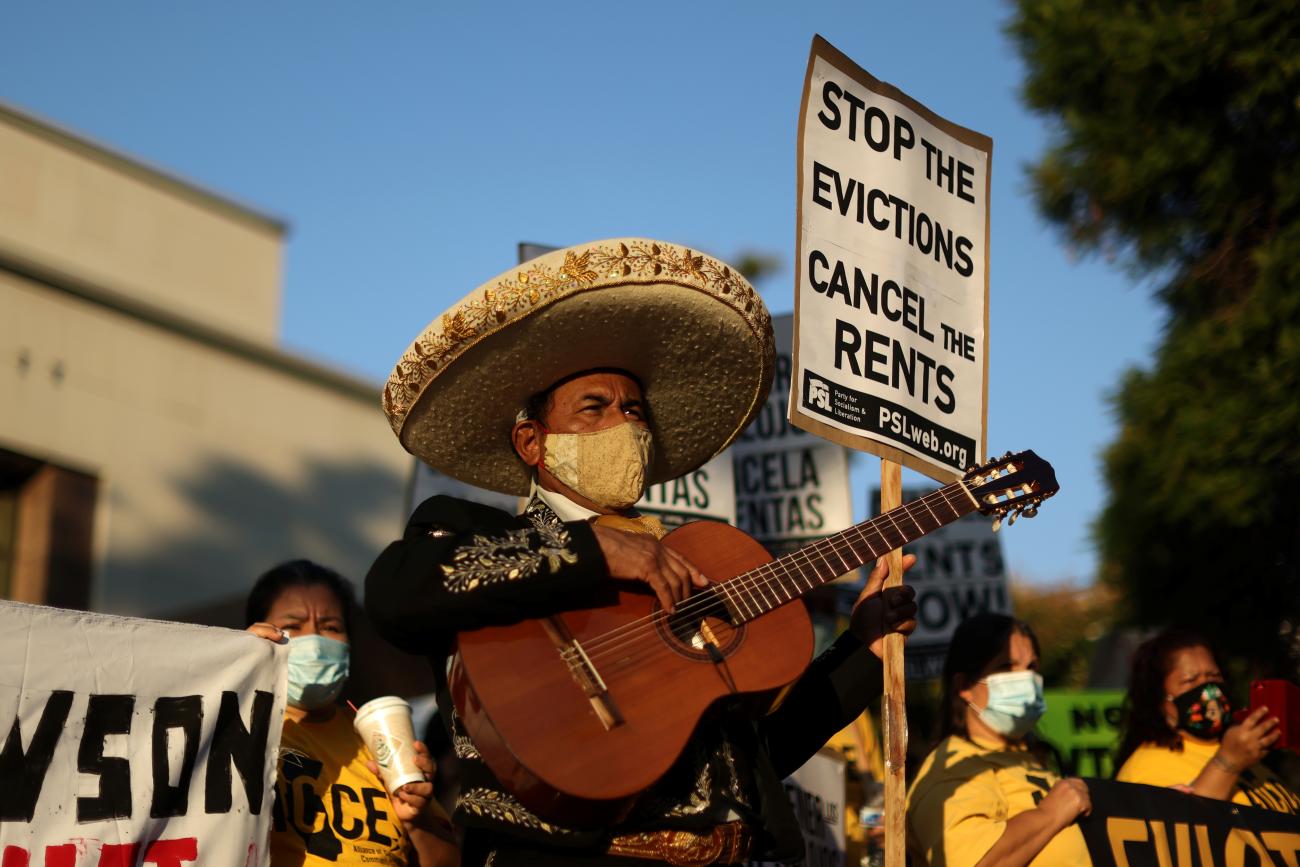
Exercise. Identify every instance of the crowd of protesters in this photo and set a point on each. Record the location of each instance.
(987, 793)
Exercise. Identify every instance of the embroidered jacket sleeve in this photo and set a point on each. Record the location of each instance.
(836, 688)
(462, 565)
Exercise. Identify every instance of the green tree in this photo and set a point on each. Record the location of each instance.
(1177, 152)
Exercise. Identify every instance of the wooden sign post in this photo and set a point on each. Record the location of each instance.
(891, 306)
(894, 704)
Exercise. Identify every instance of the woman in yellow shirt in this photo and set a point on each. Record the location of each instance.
(1179, 731)
(330, 807)
(982, 796)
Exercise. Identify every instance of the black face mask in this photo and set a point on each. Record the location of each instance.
(1204, 711)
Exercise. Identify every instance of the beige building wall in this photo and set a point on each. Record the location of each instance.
(87, 212)
(136, 327)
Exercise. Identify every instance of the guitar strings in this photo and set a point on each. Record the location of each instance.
(768, 576)
(641, 651)
(777, 569)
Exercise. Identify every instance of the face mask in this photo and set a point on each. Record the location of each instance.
(318, 668)
(1203, 711)
(607, 467)
(1016, 703)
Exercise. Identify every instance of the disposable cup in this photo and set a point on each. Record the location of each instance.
(384, 725)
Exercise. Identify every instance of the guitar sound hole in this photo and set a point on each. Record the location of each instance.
(701, 620)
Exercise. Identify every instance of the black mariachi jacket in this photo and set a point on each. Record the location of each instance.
(461, 566)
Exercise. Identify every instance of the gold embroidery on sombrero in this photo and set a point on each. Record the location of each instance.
(478, 317)
(517, 554)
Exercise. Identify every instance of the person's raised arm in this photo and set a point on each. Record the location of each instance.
(843, 680)
(1243, 745)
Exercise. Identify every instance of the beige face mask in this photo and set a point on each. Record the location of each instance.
(607, 467)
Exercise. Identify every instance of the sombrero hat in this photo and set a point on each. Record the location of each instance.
(690, 328)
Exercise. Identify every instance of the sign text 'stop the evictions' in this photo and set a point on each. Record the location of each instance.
(891, 295)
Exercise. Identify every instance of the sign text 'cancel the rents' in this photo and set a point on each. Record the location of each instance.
(891, 296)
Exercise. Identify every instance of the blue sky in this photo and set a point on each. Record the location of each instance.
(412, 145)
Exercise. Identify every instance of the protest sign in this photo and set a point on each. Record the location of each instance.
(816, 792)
(1082, 726)
(135, 741)
(707, 494)
(959, 572)
(1147, 826)
(891, 292)
(792, 488)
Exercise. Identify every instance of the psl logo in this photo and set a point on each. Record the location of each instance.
(819, 393)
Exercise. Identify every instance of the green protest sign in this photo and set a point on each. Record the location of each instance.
(1083, 726)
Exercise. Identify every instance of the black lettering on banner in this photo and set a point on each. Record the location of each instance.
(245, 747)
(349, 832)
(105, 715)
(23, 773)
(374, 815)
(170, 713)
(1141, 826)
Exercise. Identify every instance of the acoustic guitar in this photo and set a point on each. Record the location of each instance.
(579, 712)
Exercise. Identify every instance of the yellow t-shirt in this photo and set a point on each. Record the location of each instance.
(329, 808)
(963, 796)
(1155, 765)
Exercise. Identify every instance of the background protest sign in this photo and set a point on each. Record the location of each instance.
(959, 572)
(1083, 726)
(816, 791)
(130, 741)
(891, 292)
(707, 494)
(1143, 826)
(792, 488)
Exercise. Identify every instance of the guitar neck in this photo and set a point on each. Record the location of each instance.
(773, 584)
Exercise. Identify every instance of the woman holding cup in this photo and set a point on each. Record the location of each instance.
(331, 803)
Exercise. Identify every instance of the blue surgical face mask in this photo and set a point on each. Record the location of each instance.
(1015, 704)
(318, 668)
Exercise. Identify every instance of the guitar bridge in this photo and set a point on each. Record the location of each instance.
(584, 672)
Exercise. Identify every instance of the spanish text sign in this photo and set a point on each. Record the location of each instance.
(131, 741)
(891, 287)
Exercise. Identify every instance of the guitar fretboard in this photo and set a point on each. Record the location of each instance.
(775, 583)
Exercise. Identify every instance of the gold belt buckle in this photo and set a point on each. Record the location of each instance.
(723, 844)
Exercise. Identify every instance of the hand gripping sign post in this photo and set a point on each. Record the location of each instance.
(891, 304)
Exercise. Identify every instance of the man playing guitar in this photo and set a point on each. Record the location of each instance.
(575, 381)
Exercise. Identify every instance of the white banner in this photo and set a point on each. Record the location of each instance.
(791, 487)
(135, 741)
(891, 293)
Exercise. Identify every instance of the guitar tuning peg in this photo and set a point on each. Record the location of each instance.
(997, 523)
(1012, 520)
(1031, 511)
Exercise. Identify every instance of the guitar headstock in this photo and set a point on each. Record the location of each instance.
(1012, 485)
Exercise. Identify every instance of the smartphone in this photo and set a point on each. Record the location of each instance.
(1282, 698)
